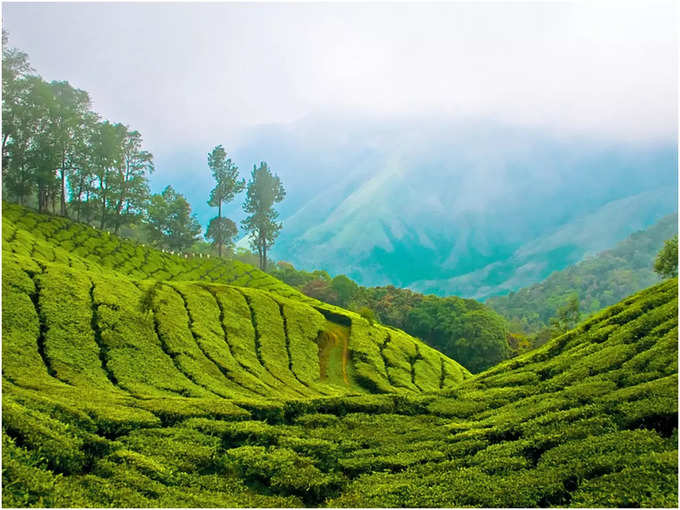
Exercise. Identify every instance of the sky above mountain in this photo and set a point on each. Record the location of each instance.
(405, 124)
(194, 75)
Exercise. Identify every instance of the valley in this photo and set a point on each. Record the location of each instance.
(134, 377)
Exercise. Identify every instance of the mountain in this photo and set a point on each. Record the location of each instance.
(467, 207)
(137, 378)
(600, 280)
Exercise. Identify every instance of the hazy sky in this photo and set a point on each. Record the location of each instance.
(194, 75)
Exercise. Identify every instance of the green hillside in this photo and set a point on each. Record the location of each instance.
(135, 378)
(599, 281)
(93, 292)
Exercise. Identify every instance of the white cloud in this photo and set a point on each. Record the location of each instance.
(196, 74)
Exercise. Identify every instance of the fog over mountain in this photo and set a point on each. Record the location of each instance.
(456, 206)
(460, 147)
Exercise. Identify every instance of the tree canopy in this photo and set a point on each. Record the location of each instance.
(227, 186)
(264, 190)
(170, 222)
(666, 263)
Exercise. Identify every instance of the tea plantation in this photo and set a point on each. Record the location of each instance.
(137, 378)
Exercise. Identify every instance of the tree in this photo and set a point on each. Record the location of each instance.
(81, 179)
(15, 68)
(567, 316)
(666, 263)
(222, 232)
(107, 159)
(320, 289)
(24, 122)
(227, 186)
(42, 145)
(345, 289)
(367, 314)
(68, 121)
(482, 342)
(132, 181)
(264, 190)
(170, 222)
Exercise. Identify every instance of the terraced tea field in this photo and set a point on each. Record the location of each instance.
(133, 377)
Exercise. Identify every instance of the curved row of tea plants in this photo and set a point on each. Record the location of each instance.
(58, 239)
(121, 390)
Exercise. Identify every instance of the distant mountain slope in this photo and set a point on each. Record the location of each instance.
(470, 208)
(569, 244)
(599, 281)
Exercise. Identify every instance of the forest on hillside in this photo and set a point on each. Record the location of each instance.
(60, 156)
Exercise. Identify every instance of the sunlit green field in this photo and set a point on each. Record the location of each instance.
(133, 377)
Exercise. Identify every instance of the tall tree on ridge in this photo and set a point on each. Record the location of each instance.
(70, 107)
(133, 187)
(107, 160)
(264, 190)
(227, 186)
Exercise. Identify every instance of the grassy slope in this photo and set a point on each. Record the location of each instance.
(113, 386)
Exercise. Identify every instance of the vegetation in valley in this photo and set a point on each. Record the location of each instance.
(133, 377)
(481, 335)
(464, 329)
(597, 282)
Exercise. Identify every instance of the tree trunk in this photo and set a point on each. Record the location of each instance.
(4, 144)
(121, 199)
(103, 216)
(101, 188)
(63, 190)
(41, 198)
(80, 200)
(219, 241)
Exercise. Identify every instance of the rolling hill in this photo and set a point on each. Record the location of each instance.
(137, 378)
(182, 315)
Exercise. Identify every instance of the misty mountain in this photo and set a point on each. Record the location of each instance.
(598, 281)
(473, 208)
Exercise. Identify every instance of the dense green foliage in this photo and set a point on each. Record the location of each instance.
(666, 262)
(58, 156)
(169, 221)
(264, 191)
(181, 391)
(598, 281)
(464, 329)
(227, 186)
